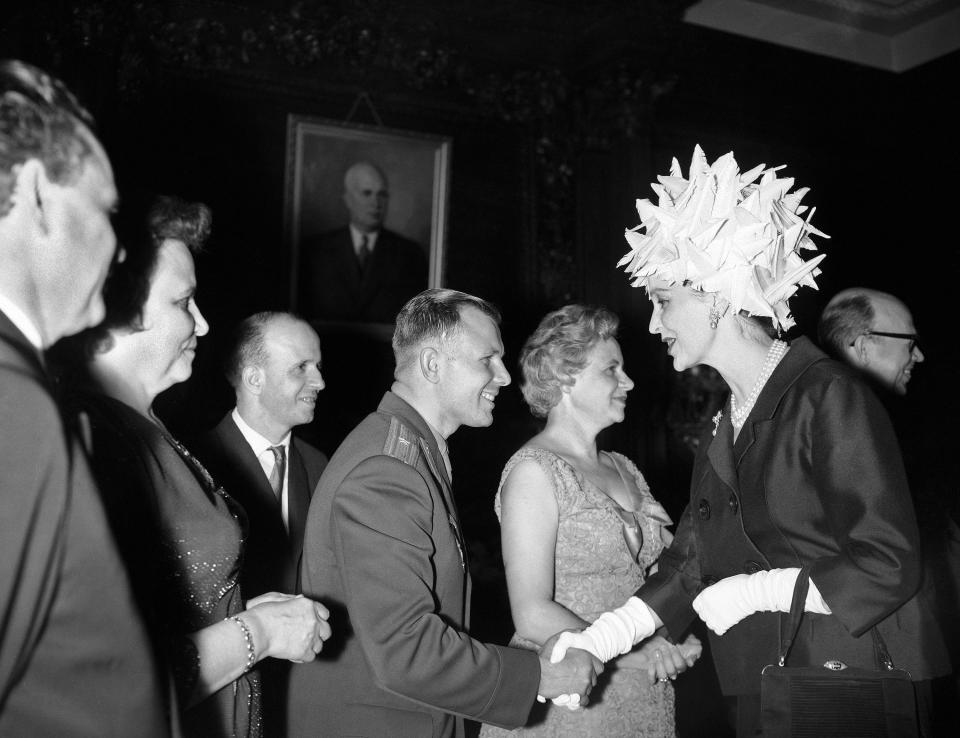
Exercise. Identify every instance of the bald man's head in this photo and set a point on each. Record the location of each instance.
(852, 327)
(366, 195)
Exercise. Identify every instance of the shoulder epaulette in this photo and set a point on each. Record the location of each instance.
(402, 443)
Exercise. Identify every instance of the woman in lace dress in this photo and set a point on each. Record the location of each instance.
(181, 536)
(580, 529)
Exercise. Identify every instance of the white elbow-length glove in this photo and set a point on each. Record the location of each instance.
(611, 634)
(726, 603)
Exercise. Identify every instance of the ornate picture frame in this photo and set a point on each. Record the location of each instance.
(416, 167)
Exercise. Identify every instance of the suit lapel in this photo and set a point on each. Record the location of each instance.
(20, 345)
(800, 356)
(437, 468)
(747, 437)
(245, 457)
(394, 405)
(720, 453)
(724, 454)
(439, 471)
(764, 534)
(298, 496)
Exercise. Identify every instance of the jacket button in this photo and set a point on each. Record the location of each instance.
(752, 567)
(733, 503)
(709, 580)
(704, 510)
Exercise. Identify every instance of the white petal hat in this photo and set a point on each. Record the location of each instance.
(722, 230)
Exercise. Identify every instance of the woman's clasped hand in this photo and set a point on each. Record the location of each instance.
(661, 659)
(290, 627)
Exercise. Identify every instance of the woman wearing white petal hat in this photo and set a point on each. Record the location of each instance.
(800, 469)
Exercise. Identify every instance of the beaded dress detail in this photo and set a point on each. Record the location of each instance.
(181, 537)
(205, 548)
(595, 572)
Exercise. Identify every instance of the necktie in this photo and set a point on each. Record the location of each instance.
(363, 254)
(279, 466)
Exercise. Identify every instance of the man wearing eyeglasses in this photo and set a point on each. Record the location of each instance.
(872, 331)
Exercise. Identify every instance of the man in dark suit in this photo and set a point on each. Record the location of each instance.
(361, 271)
(383, 545)
(74, 657)
(274, 367)
(873, 332)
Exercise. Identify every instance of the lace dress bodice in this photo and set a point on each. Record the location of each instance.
(594, 571)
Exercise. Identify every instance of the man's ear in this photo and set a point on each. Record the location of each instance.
(32, 192)
(252, 379)
(429, 362)
(860, 351)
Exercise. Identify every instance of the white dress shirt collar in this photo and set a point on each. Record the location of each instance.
(257, 442)
(22, 322)
(356, 235)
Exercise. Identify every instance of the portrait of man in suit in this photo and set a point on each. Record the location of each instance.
(361, 271)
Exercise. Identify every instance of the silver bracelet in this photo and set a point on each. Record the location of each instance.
(248, 639)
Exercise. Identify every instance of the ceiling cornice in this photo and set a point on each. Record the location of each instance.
(894, 35)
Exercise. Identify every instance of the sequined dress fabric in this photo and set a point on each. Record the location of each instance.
(184, 554)
(594, 572)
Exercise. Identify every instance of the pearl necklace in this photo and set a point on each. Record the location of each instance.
(738, 415)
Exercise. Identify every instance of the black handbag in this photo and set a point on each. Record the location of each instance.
(834, 699)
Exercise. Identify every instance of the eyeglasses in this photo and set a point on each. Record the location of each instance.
(912, 337)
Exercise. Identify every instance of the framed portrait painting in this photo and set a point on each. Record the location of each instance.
(365, 219)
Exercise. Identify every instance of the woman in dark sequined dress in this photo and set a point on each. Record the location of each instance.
(181, 535)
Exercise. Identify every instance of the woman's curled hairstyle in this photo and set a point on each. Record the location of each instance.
(128, 286)
(556, 352)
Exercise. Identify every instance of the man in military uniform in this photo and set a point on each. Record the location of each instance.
(383, 546)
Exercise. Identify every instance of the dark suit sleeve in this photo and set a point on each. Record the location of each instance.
(861, 483)
(381, 532)
(677, 580)
(33, 502)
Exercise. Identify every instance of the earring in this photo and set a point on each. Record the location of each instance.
(717, 312)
